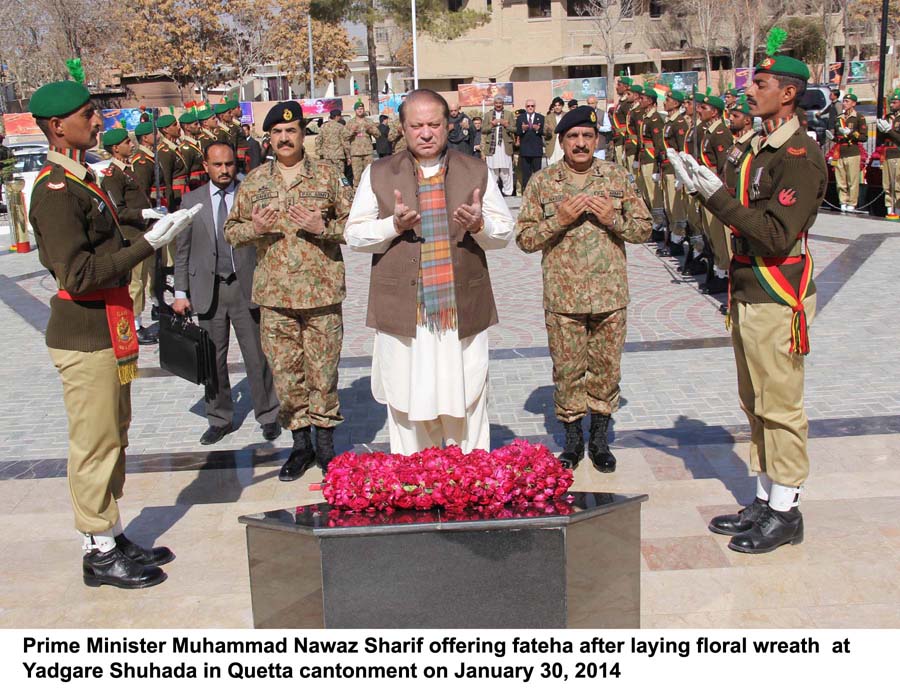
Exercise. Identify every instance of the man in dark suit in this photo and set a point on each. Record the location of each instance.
(530, 131)
(254, 149)
(214, 280)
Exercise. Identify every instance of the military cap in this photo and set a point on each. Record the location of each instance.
(779, 64)
(114, 136)
(895, 95)
(580, 116)
(233, 104)
(145, 128)
(850, 95)
(358, 104)
(636, 88)
(677, 96)
(335, 113)
(58, 99)
(165, 121)
(709, 98)
(624, 79)
(731, 91)
(205, 114)
(188, 117)
(650, 90)
(283, 112)
(219, 109)
(741, 105)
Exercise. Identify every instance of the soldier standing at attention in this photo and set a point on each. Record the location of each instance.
(293, 211)
(740, 122)
(135, 213)
(633, 129)
(358, 134)
(781, 184)
(651, 152)
(241, 138)
(331, 145)
(225, 131)
(90, 334)
(207, 120)
(674, 132)
(620, 118)
(850, 131)
(579, 213)
(190, 151)
(171, 165)
(890, 126)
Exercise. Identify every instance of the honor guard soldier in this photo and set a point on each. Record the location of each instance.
(633, 128)
(890, 126)
(331, 145)
(693, 264)
(293, 210)
(358, 134)
(135, 213)
(143, 163)
(714, 145)
(782, 182)
(850, 131)
(208, 125)
(620, 118)
(579, 213)
(650, 155)
(243, 143)
(90, 333)
(675, 131)
(171, 165)
(730, 98)
(740, 122)
(190, 150)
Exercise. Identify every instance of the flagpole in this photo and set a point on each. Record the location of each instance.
(414, 48)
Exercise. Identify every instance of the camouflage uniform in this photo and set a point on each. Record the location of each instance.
(299, 285)
(585, 282)
(358, 134)
(397, 138)
(332, 147)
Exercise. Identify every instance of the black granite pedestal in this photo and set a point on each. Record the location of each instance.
(578, 567)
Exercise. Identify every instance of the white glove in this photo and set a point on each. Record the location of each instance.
(152, 214)
(170, 226)
(829, 135)
(635, 164)
(844, 131)
(682, 175)
(655, 177)
(678, 184)
(882, 125)
(706, 181)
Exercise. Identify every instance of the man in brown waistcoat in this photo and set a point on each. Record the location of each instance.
(428, 215)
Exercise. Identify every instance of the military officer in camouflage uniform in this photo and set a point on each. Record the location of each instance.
(772, 296)
(651, 152)
(293, 211)
(331, 146)
(190, 150)
(850, 131)
(714, 145)
(358, 135)
(579, 213)
(890, 126)
(674, 132)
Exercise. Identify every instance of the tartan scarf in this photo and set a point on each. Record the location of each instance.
(436, 294)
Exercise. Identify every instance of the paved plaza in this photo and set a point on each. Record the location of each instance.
(680, 437)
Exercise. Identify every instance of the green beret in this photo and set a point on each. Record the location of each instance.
(650, 90)
(636, 88)
(114, 136)
(58, 99)
(188, 117)
(358, 104)
(582, 115)
(204, 114)
(895, 95)
(741, 106)
(144, 128)
(627, 81)
(783, 65)
(711, 99)
(677, 96)
(165, 121)
(233, 104)
(850, 95)
(219, 109)
(731, 93)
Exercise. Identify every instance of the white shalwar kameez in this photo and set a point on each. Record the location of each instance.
(500, 164)
(434, 385)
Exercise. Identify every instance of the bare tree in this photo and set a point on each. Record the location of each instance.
(607, 15)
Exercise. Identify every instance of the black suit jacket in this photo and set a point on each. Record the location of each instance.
(531, 142)
(195, 256)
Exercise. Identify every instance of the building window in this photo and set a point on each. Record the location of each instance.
(656, 9)
(381, 35)
(627, 11)
(579, 8)
(454, 5)
(582, 71)
(538, 9)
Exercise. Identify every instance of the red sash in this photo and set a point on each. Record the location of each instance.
(120, 320)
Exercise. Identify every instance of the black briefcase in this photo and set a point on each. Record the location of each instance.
(185, 350)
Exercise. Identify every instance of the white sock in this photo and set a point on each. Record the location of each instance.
(783, 498)
(890, 211)
(763, 486)
(721, 273)
(676, 238)
(103, 541)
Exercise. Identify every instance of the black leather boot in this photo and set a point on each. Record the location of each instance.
(598, 446)
(733, 524)
(574, 450)
(149, 557)
(771, 530)
(324, 447)
(116, 569)
(302, 456)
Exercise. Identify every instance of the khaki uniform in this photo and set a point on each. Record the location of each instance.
(632, 134)
(693, 209)
(620, 130)
(675, 132)
(358, 134)
(123, 189)
(651, 153)
(714, 145)
(846, 164)
(79, 242)
(332, 147)
(786, 184)
(585, 281)
(299, 284)
(192, 155)
(892, 163)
